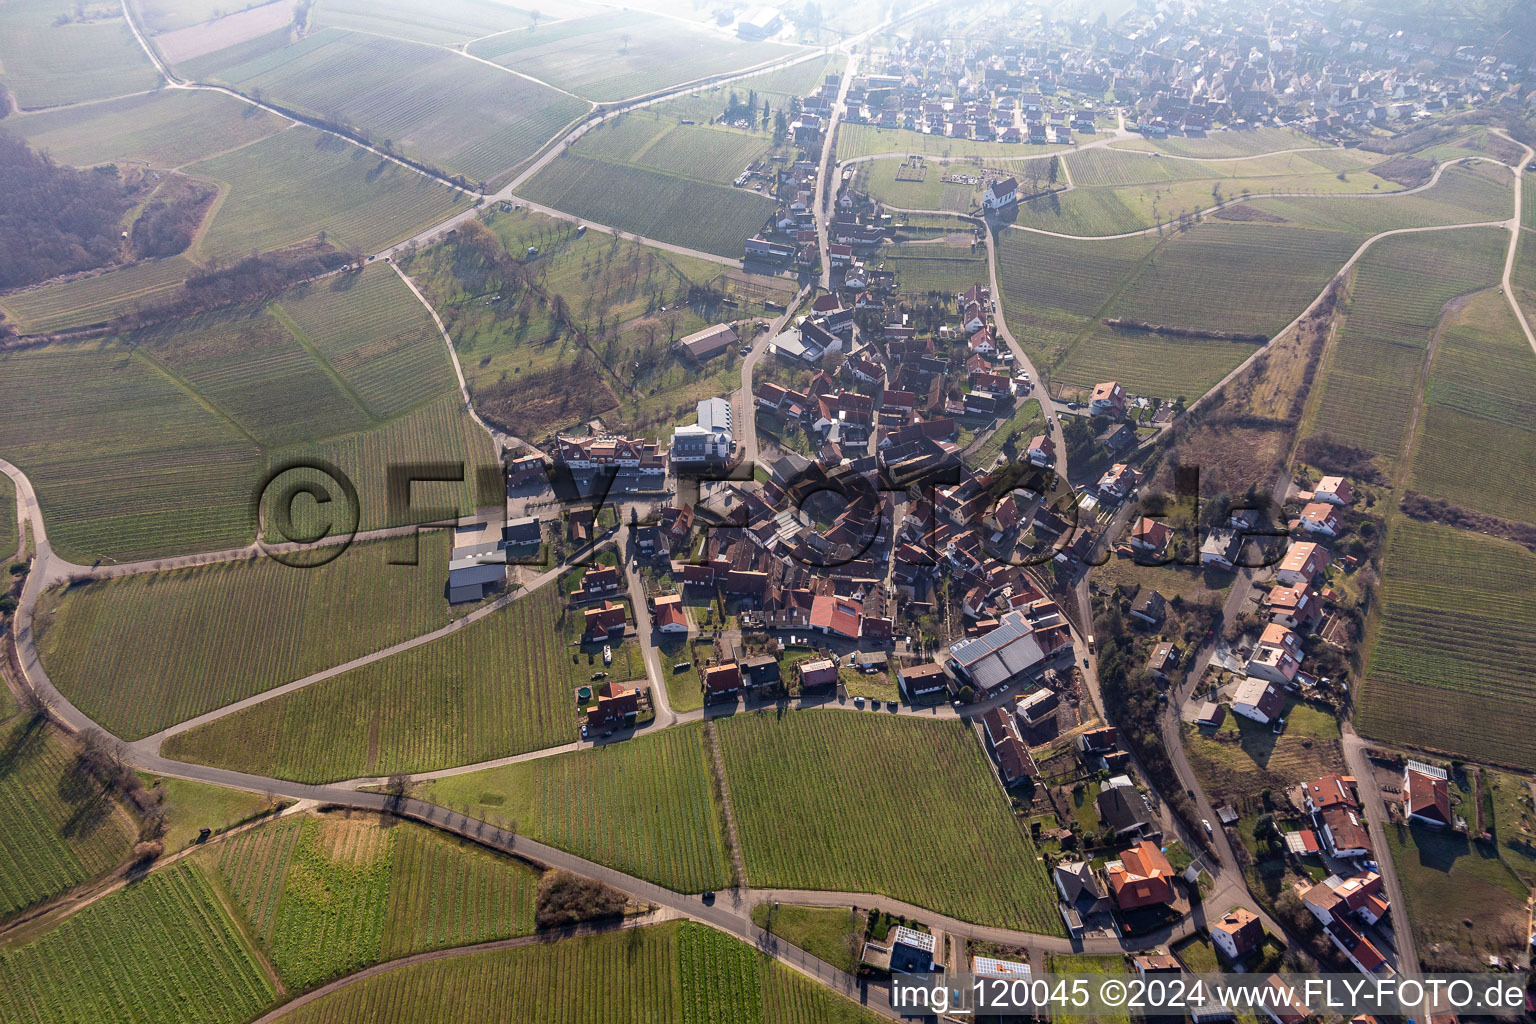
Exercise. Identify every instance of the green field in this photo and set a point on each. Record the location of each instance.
(614, 56)
(927, 824)
(447, 21)
(1054, 288)
(168, 128)
(55, 52)
(158, 442)
(937, 266)
(1477, 432)
(10, 528)
(681, 972)
(1082, 965)
(190, 807)
(1463, 195)
(382, 344)
(423, 101)
(1241, 278)
(326, 896)
(161, 950)
(356, 198)
(1369, 380)
(1448, 664)
(1118, 191)
(1224, 144)
(97, 298)
(645, 138)
(60, 829)
(711, 218)
(856, 140)
(125, 461)
(196, 639)
(643, 806)
(502, 686)
(833, 934)
(1440, 869)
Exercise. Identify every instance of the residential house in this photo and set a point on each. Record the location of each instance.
(1319, 517)
(669, 615)
(1427, 794)
(1220, 548)
(911, 951)
(1156, 963)
(609, 617)
(1303, 563)
(1117, 482)
(1125, 812)
(1036, 707)
(1211, 715)
(722, 683)
(1013, 761)
(1150, 535)
(1261, 700)
(1108, 399)
(922, 682)
(525, 470)
(1150, 606)
(818, 675)
(522, 532)
(1080, 889)
(760, 673)
(1359, 950)
(1334, 490)
(1164, 660)
(1362, 895)
(599, 581)
(1296, 606)
(616, 708)
(1344, 833)
(1238, 933)
(1331, 791)
(1277, 656)
(1142, 877)
(1042, 450)
(1288, 1008)
(837, 616)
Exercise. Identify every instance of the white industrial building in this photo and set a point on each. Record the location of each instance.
(713, 437)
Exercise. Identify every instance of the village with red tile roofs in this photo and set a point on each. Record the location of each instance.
(837, 496)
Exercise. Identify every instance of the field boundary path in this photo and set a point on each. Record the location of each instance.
(732, 836)
(1514, 239)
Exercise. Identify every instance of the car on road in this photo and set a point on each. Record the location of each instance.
(1074, 405)
(746, 350)
(1206, 824)
(892, 705)
(1189, 793)
(709, 898)
(858, 702)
